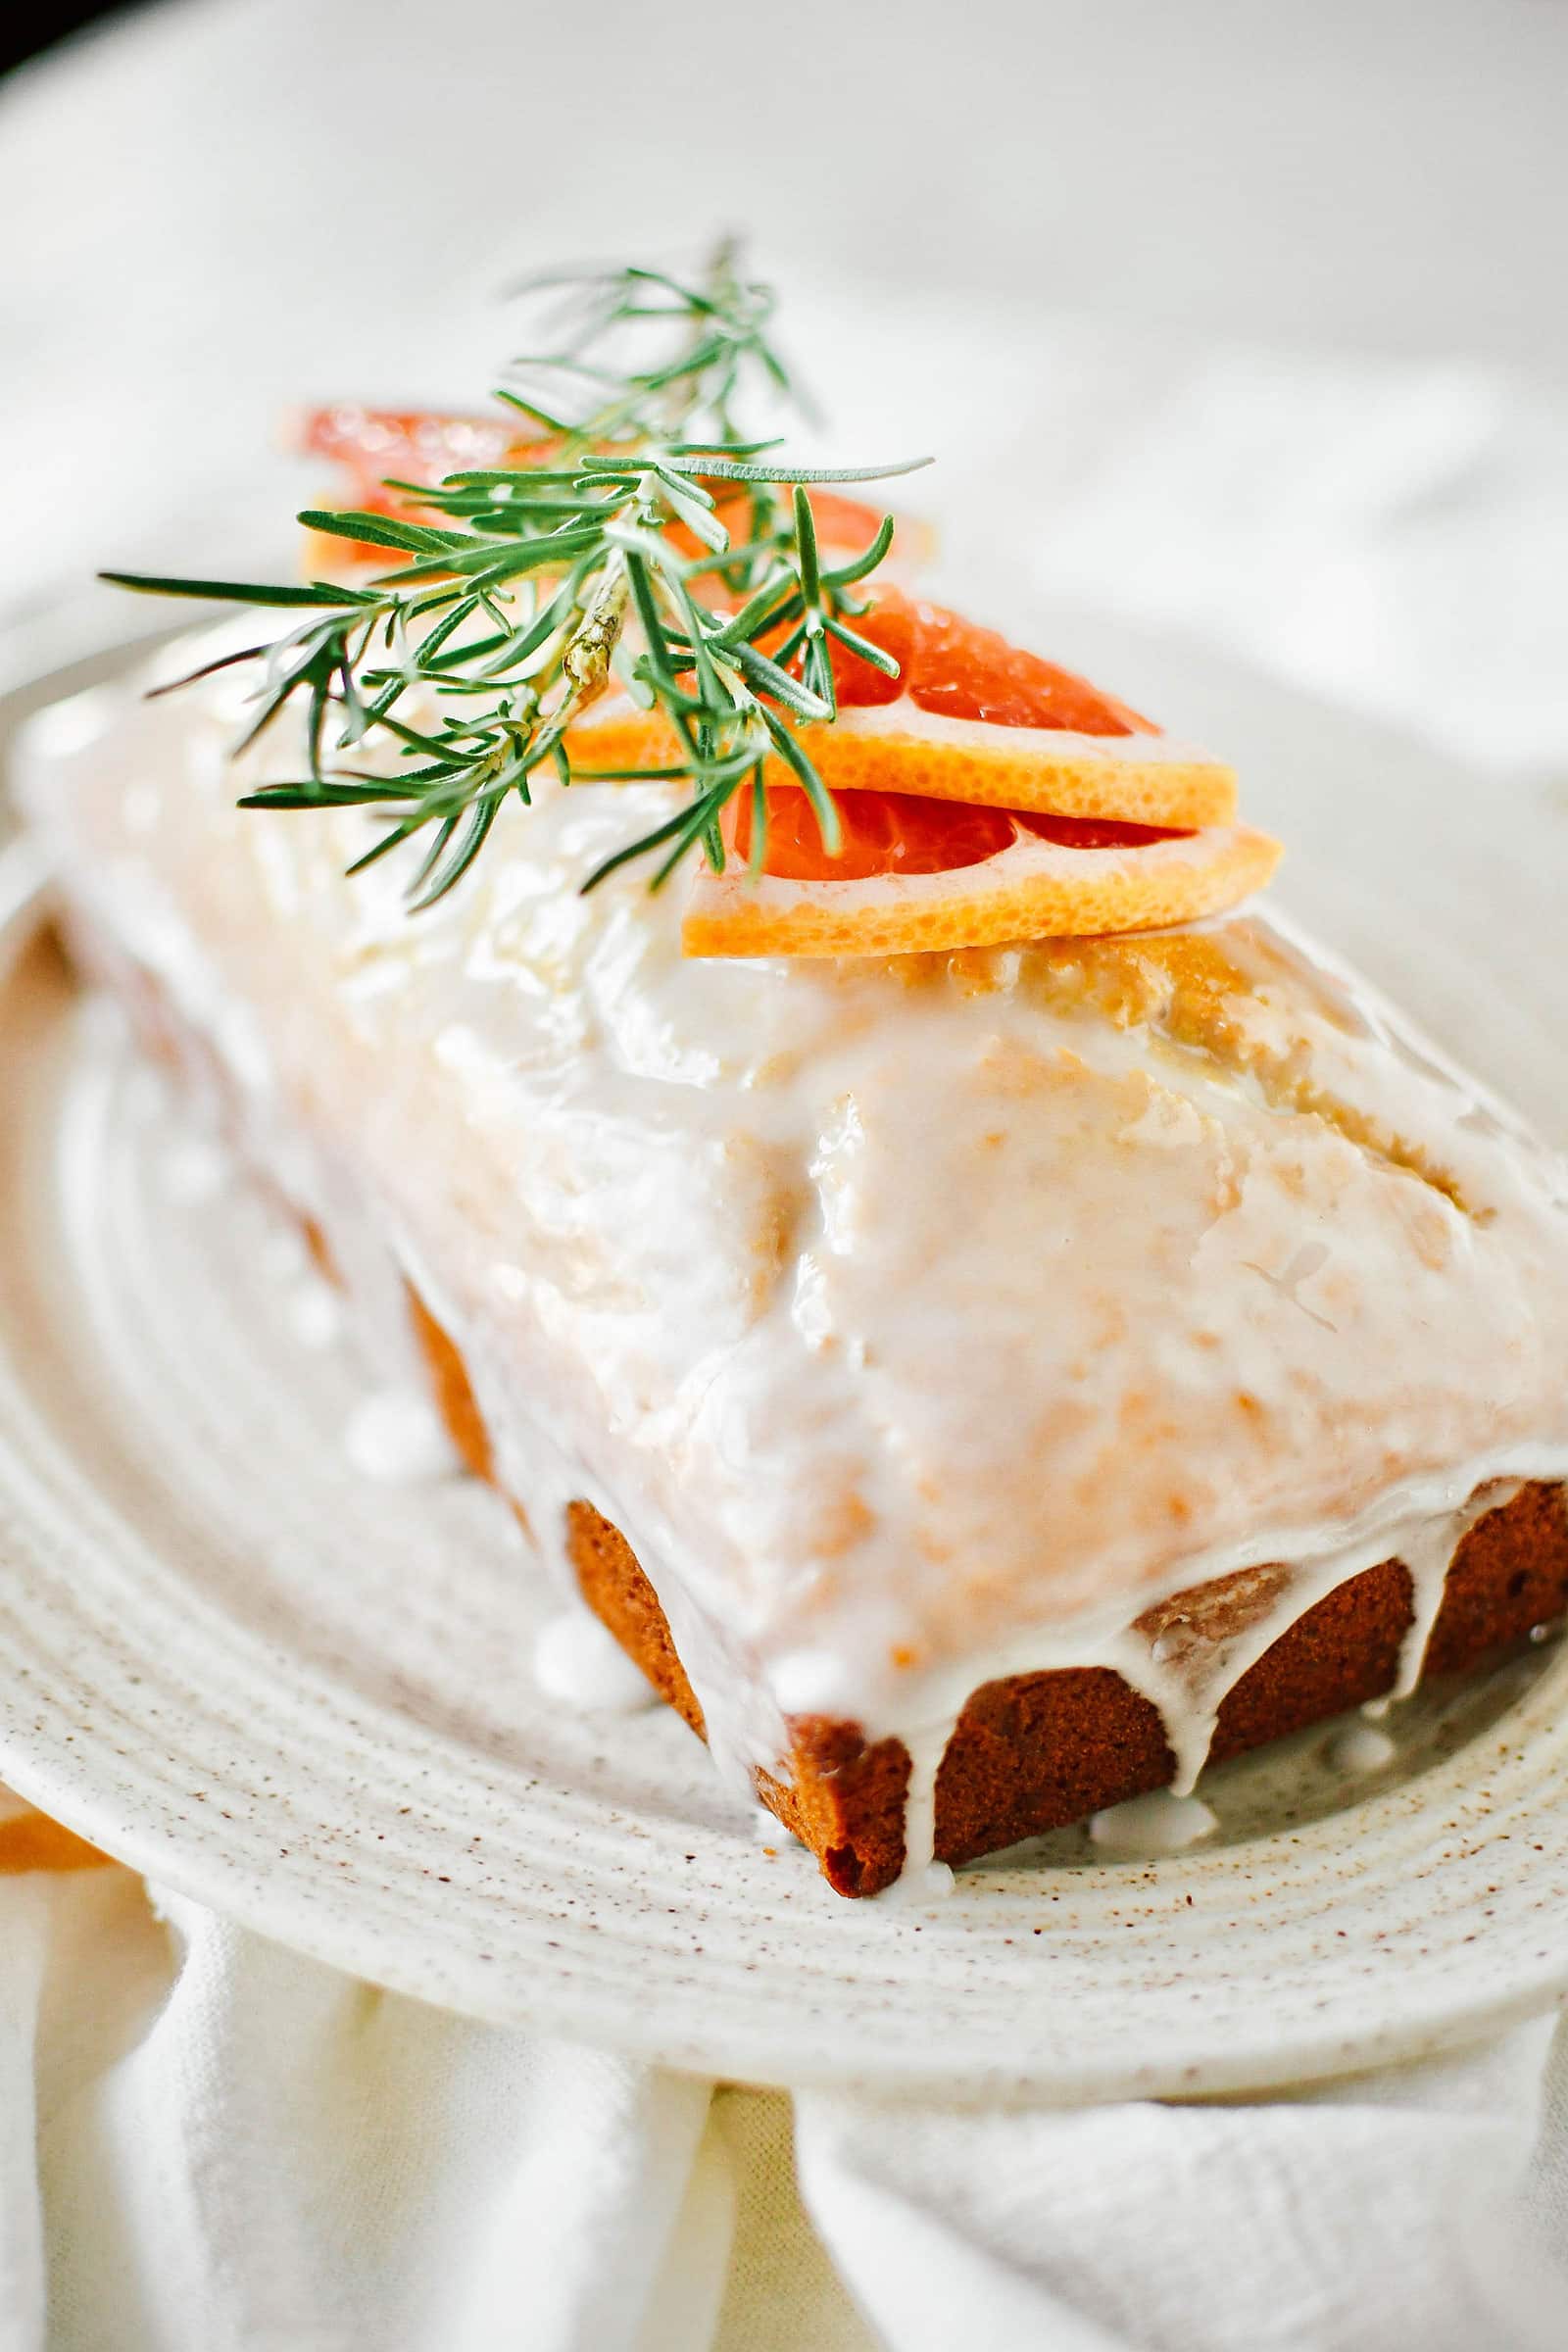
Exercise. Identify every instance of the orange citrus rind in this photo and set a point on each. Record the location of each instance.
(1032, 889)
(1137, 779)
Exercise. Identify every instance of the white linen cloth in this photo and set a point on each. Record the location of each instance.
(210, 2144)
(207, 2145)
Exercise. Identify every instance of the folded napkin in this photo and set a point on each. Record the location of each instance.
(1395, 2209)
(207, 2142)
(210, 2144)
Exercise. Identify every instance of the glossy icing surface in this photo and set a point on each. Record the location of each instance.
(918, 1320)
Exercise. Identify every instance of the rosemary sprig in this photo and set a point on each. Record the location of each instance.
(536, 583)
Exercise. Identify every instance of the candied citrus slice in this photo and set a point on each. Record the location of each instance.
(970, 717)
(897, 833)
(415, 445)
(405, 445)
(411, 445)
(914, 875)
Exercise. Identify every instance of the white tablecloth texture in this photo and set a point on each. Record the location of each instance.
(210, 2144)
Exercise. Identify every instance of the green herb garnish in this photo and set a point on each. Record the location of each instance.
(540, 582)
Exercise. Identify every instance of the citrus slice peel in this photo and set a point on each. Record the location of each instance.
(1144, 779)
(1031, 889)
(969, 718)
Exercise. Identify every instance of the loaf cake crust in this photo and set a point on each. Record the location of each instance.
(973, 1386)
(1029, 1752)
(1034, 1753)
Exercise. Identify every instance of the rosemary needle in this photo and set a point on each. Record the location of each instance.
(533, 584)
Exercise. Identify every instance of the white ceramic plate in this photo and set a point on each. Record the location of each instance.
(306, 1701)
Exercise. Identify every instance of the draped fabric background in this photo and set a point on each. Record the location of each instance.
(209, 2143)
(1244, 321)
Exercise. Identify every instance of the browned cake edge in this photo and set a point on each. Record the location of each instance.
(1035, 1751)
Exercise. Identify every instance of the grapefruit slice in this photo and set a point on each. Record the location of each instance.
(405, 445)
(914, 875)
(970, 717)
(413, 445)
(423, 445)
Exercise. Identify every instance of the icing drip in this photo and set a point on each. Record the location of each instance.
(196, 1168)
(1160, 1823)
(578, 1661)
(1187, 1677)
(314, 1313)
(397, 1436)
(926, 1749)
(1427, 1553)
(1359, 1748)
(284, 1254)
(931, 1885)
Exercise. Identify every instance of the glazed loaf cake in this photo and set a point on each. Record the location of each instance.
(975, 1388)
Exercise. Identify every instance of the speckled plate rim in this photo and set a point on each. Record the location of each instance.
(1481, 1842)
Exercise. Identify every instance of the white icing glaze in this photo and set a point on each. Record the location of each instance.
(284, 1254)
(926, 1746)
(929, 1883)
(196, 1167)
(576, 1660)
(1160, 1823)
(918, 1323)
(1426, 1551)
(147, 1093)
(1358, 1747)
(397, 1436)
(314, 1313)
